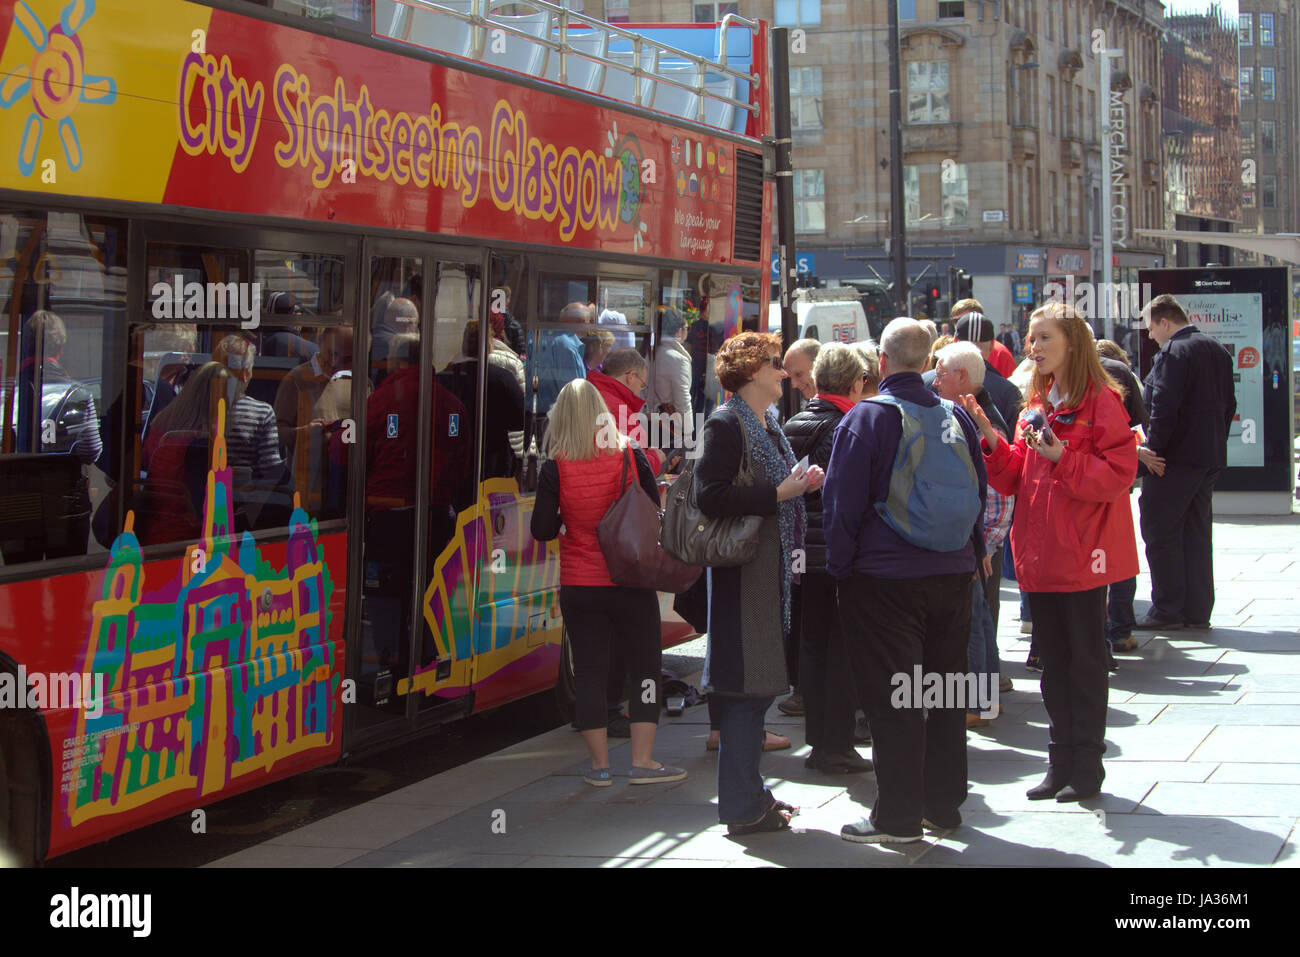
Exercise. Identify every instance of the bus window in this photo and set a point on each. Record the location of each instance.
(280, 415)
(716, 306)
(63, 292)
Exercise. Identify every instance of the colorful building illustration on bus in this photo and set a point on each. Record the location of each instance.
(222, 672)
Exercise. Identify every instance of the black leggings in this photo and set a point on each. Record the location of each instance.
(598, 618)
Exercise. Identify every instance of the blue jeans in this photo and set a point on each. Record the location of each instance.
(742, 798)
(982, 650)
(1119, 610)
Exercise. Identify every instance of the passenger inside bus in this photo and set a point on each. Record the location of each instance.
(596, 345)
(391, 459)
(310, 401)
(177, 453)
(56, 415)
(399, 316)
(252, 441)
(503, 418)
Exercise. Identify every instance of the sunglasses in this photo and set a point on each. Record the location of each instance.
(776, 362)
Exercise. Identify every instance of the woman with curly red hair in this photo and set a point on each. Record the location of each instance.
(749, 605)
(1071, 465)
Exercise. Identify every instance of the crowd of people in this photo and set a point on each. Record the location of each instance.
(936, 467)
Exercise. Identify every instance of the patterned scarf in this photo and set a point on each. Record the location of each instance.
(775, 463)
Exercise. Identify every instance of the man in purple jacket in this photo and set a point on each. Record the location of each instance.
(906, 609)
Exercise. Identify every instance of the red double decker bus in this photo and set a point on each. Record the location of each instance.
(285, 287)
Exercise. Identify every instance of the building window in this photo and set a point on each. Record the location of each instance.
(956, 196)
(1248, 198)
(806, 98)
(1248, 136)
(949, 10)
(1267, 88)
(1266, 134)
(1051, 106)
(1051, 202)
(1051, 19)
(927, 91)
(907, 9)
(1244, 25)
(1243, 80)
(798, 13)
(712, 12)
(1266, 29)
(911, 195)
(810, 201)
(1268, 192)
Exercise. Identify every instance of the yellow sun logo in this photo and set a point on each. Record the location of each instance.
(55, 81)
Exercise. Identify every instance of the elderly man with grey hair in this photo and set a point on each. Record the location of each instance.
(798, 364)
(905, 598)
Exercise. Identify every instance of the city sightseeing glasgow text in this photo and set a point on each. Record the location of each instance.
(338, 135)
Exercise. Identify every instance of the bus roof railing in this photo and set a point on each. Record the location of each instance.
(707, 88)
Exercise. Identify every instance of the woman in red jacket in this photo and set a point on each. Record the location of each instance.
(581, 478)
(1073, 532)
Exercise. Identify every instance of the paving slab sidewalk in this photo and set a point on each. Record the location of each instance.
(1203, 768)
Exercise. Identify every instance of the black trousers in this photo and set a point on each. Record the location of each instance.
(829, 709)
(600, 619)
(892, 626)
(1176, 520)
(795, 638)
(1069, 634)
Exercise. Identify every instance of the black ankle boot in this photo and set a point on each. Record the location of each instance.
(1054, 782)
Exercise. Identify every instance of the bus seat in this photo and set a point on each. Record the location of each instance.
(437, 31)
(716, 112)
(583, 74)
(619, 84)
(519, 54)
(673, 100)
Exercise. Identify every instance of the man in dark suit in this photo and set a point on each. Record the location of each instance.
(1189, 393)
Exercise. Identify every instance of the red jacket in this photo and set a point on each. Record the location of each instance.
(1073, 528)
(623, 405)
(1002, 359)
(587, 490)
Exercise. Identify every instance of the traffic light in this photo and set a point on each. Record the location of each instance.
(932, 301)
(961, 284)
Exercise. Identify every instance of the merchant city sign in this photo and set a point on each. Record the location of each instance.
(1119, 190)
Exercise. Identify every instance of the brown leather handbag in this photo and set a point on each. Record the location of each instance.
(629, 539)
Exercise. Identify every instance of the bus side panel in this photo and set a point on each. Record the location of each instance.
(518, 632)
(192, 686)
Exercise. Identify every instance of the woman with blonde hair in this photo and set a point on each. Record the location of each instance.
(584, 472)
(1071, 464)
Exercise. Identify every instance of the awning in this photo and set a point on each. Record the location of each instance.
(1284, 246)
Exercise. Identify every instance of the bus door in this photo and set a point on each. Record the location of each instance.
(413, 654)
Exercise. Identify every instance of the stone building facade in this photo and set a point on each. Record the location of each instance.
(1001, 134)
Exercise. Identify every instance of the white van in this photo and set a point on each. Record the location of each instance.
(836, 320)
